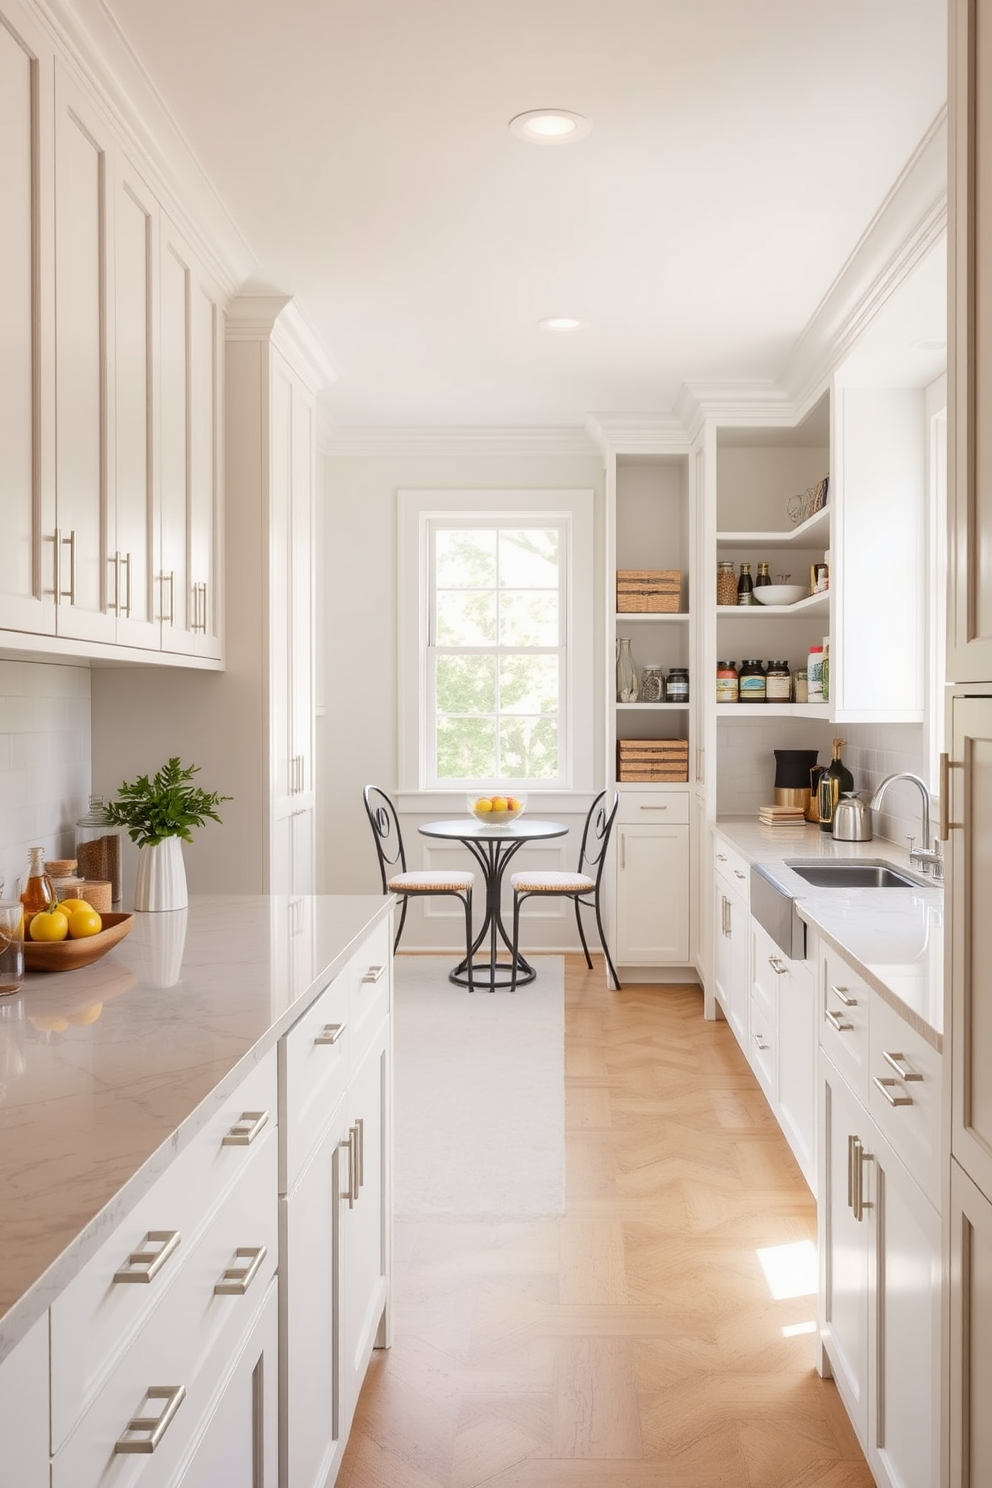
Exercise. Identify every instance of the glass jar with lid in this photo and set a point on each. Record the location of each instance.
(98, 848)
(778, 682)
(652, 683)
(727, 685)
(726, 583)
(677, 686)
(752, 682)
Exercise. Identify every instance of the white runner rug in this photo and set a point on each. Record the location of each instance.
(479, 1094)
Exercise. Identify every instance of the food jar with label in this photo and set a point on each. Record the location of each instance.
(727, 685)
(677, 686)
(745, 586)
(800, 685)
(815, 674)
(726, 583)
(751, 679)
(778, 682)
(652, 683)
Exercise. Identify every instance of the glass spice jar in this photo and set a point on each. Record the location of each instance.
(778, 682)
(752, 682)
(652, 683)
(726, 583)
(677, 686)
(727, 686)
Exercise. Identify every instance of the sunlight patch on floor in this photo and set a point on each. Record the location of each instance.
(790, 1270)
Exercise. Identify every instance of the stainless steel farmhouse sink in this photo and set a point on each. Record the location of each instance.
(870, 874)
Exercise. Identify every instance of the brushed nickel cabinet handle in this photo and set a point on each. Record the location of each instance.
(901, 1065)
(246, 1129)
(776, 965)
(115, 603)
(739, 874)
(721, 857)
(884, 1084)
(154, 1427)
(351, 1192)
(170, 579)
(760, 1042)
(836, 1020)
(842, 994)
(144, 1265)
(71, 540)
(851, 1139)
(60, 543)
(860, 1202)
(331, 1033)
(654, 808)
(237, 1279)
(126, 560)
(374, 974)
(360, 1152)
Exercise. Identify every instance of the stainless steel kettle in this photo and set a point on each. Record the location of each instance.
(852, 820)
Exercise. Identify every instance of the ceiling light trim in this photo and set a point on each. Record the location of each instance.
(528, 126)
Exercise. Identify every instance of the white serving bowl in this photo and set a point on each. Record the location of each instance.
(779, 594)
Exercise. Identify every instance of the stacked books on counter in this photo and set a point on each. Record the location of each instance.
(781, 816)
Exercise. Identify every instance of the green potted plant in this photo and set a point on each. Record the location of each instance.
(158, 814)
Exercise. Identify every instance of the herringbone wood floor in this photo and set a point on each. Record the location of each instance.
(633, 1341)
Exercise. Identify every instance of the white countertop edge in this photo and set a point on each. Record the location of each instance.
(32, 1304)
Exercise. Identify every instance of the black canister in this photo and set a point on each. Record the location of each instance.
(792, 776)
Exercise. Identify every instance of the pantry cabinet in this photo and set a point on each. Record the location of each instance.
(732, 932)
(652, 878)
(781, 1043)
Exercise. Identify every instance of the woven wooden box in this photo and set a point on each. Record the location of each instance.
(649, 591)
(652, 759)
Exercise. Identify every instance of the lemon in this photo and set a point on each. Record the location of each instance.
(83, 922)
(48, 924)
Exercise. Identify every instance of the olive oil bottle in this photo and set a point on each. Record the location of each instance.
(836, 781)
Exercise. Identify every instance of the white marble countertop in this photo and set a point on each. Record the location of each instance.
(893, 937)
(106, 1073)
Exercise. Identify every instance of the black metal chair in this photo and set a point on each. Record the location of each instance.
(407, 885)
(578, 886)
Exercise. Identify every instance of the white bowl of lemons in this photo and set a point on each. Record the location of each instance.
(496, 808)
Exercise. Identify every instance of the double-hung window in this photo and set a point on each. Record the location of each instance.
(501, 644)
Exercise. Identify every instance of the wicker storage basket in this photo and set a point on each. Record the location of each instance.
(649, 591)
(652, 760)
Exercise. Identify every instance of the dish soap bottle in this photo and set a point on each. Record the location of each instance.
(836, 781)
(38, 889)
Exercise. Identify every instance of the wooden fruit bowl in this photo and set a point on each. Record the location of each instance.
(68, 955)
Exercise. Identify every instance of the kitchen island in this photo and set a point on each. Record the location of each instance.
(167, 1113)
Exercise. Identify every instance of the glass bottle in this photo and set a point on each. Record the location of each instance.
(745, 586)
(764, 577)
(626, 673)
(38, 888)
(726, 583)
(836, 781)
(98, 848)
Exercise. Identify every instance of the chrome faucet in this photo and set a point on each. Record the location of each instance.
(929, 853)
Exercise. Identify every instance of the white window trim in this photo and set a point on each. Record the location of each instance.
(415, 510)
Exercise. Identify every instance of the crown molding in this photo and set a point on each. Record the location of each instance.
(89, 40)
(638, 433)
(559, 442)
(910, 221)
(277, 318)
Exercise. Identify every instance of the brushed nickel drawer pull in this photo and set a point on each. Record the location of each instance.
(851, 1141)
(721, 857)
(654, 808)
(836, 1020)
(739, 874)
(237, 1279)
(884, 1083)
(844, 996)
(331, 1033)
(777, 967)
(155, 1426)
(148, 1262)
(760, 1043)
(244, 1132)
(374, 974)
(901, 1065)
(351, 1192)
(360, 1151)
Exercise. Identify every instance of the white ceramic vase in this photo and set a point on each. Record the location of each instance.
(161, 881)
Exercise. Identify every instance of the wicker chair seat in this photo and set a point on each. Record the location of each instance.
(422, 882)
(553, 883)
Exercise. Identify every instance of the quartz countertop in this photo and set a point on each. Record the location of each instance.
(893, 937)
(107, 1072)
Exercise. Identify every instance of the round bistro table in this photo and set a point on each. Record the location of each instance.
(492, 848)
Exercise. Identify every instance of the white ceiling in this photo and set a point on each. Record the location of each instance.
(738, 152)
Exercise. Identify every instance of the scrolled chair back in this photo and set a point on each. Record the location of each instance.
(596, 835)
(386, 832)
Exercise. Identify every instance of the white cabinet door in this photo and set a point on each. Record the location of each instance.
(312, 1435)
(27, 327)
(133, 547)
(238, 1444)
(365, 1222)
(843, 1245)
(652, 895)
(970, 1333)
(731, 957)
(83, 176)
(24, 1407)
(797, 1062)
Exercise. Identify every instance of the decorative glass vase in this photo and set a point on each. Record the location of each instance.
(626, 672)
(161, 881)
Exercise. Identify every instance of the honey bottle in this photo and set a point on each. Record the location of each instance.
(38, 890)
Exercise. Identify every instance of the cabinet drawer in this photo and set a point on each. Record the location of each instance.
(843, 1020)
(904, 1094)
(774, 972)
(653, 808)
(371, 989)
(731, 866)
(97, 1316)
(761, 1049)
(314, 1065)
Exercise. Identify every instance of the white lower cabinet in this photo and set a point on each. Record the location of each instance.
(24, 1409)
(731, 960)
(880, 1287)
(365, 1249)
(781, 1043)
(970, 1234)
(652, 894)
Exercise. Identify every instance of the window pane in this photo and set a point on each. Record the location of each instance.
(466, 559)
(528, 684)
(466, 749)
(528, 619)
(465, 618)
(528, 558)
(528, 749)
(466, 684)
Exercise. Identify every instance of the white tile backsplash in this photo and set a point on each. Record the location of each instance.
(45, 761)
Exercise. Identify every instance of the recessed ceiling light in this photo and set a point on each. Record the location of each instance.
(560, 323)
(549, 126)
